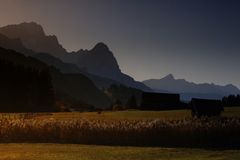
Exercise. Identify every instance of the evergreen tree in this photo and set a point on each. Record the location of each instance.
(25, 89)
(132, 102)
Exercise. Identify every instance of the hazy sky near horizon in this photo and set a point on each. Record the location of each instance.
(198, 40)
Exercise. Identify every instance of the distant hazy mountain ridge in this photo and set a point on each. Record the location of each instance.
(190, 89)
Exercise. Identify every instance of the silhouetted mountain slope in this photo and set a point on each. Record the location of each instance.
(189, 89)
(100, 82)
(33, 37)
(19, 59)
(76, 86)
(14, 44)
(25, 84)
(58, 63)
(80, 88)
(123, 94)
(99, 61)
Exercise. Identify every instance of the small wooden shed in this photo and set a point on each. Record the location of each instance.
(206, 107)
(160, 101)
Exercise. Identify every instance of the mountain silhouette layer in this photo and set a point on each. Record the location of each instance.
(33, 37)
(69, 68)
(25, 84)
(98, 61)
(16, 45)
(74, 86)
(189, 90)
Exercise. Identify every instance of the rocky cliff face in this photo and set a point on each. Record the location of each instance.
(99, 61)
(33, 37)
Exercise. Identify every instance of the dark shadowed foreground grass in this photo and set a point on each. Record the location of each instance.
(166, 127)
(92, 152)
(205, 132)
(128, 128)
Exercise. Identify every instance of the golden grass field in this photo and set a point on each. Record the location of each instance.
(52, 151)
(121, 115)
(93, 152)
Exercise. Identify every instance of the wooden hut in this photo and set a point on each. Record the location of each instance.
(160, 101)
(206, 107)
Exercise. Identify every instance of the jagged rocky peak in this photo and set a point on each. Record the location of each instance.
(100, 47)
(33, 37)
(99, 60)
(169, 77)
(33, 27)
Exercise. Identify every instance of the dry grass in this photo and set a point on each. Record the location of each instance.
(187, 132)
(93, 152)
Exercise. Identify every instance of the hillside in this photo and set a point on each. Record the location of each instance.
(98, 61)
(75, 87)
(80, 88)
(100, 82)
(25, 84)
(123, 94)
(14, 44)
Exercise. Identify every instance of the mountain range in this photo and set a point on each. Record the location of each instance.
(75, 86)
(189, 90)
(97, 64)
(98, 61)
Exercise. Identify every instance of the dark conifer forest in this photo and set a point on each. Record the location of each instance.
(24, 86)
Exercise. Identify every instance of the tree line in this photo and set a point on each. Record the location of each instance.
(25, 89)
(231, 100)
